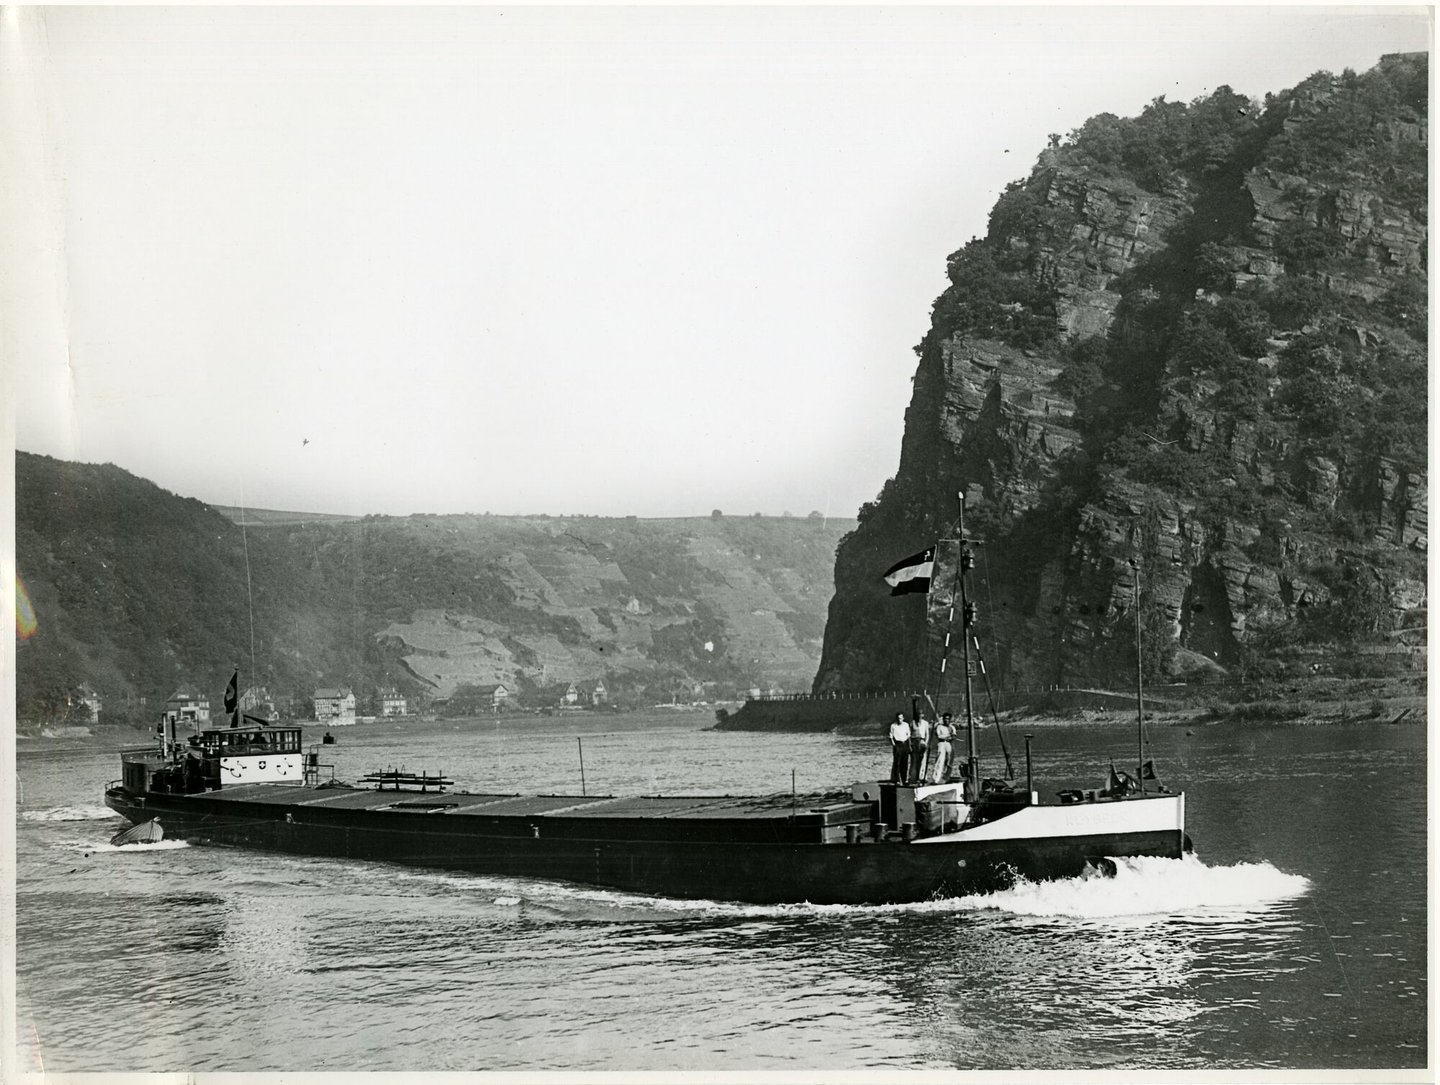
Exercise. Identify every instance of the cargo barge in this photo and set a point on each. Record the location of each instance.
(879, 842)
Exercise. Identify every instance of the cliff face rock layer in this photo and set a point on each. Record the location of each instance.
(1192, 342)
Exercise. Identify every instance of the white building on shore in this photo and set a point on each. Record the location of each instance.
(334, 706)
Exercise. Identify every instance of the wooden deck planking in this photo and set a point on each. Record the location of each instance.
(678, 807)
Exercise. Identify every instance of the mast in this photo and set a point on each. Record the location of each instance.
(964, 560)
(1139, 687)
(967, 619)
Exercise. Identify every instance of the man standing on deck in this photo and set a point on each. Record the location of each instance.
(944, 732)
(899, 749)
(919, 747)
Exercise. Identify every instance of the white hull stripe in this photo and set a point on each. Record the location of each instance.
(1165, 813)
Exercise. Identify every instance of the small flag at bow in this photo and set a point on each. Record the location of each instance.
(912, 574)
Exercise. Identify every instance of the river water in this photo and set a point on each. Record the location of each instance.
(1294, 938)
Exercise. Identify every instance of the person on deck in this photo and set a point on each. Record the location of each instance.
(899, 749)
(944, 732)
(919, 747)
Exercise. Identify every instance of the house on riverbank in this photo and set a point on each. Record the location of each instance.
(185, 705)
(335, 705)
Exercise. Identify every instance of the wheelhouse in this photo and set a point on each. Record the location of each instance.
(247, 755)
(217, 757)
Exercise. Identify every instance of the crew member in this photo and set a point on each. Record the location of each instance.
(919, 747)
(944, 732)
(899, 749)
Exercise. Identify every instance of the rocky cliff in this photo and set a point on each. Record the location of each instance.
(1193, 343)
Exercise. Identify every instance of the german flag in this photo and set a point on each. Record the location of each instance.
(232, 699)
(912, 574)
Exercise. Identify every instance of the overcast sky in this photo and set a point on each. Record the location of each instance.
(645, 261)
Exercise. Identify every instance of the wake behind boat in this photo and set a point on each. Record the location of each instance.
(880, 842)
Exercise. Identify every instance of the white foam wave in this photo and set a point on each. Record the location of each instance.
(159, 845)
(69, 813)
(1139, 887)
(1148, 886)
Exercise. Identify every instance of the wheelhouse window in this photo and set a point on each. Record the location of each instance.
(238, 743)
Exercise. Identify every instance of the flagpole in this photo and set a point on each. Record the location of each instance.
(949, 628)
(972, 784)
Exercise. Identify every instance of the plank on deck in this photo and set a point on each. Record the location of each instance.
(703, 807)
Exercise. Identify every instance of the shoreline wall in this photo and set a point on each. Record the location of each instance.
(825, 713)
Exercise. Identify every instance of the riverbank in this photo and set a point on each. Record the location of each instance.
(1317, 702)
(60, 737)
(1393, 707)
(1389, 703)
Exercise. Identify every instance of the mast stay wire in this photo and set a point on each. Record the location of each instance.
(989, 691)
(979, 657)
(953, 531)
(994, 713)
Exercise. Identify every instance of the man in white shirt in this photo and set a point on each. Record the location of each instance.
(944, 732)
(919, 747)
(899, 749)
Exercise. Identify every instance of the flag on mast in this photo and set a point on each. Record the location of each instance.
(232, 698)
(911, 574)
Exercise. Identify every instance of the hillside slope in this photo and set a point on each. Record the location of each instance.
(138, 591)
(1195, 340)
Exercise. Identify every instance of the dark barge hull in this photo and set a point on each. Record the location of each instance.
(753, 850)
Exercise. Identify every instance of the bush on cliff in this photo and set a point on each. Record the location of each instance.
(1167, 140)
(991, 300)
